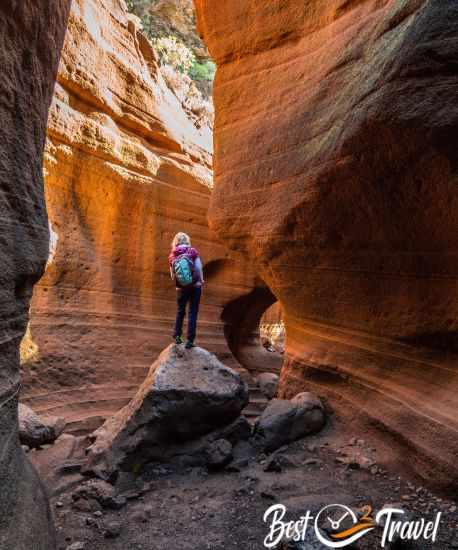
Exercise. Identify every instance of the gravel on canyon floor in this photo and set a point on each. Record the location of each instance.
(195, 509)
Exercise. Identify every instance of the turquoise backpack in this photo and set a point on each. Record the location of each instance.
(183, 268)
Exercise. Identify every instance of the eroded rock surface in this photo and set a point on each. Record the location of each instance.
(187, 394)
(336, 174)
(31, 39)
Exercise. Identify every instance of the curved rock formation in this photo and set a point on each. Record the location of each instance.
(32, 35)
(242, 318)
(126, 167)
(335, 169)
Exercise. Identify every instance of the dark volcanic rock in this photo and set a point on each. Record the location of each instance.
(219, 453)
(112, 529)
(35, 430)
(268, 384)
(198, 452)
(186, 395)
(284, 421)
(101, 492)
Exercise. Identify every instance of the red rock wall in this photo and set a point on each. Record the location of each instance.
(31, 39)
(335, 171)
(126, 168)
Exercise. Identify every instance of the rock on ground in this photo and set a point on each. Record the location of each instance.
(77, 546)
(219, 453)
(268, 384)
(35, 430)
(187, 394)
(208, 450)
(285, 421)
(100, 492)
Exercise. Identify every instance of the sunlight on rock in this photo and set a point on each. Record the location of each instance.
(28, 349)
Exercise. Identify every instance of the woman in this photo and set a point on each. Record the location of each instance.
(186, 270)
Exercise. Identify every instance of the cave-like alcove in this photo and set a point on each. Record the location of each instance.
(243, 319)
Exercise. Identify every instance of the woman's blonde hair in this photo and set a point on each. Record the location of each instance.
(181, 238)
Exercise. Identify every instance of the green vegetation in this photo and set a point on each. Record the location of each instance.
(141, 8)
(169, 47)
(202, 71)
(173, 52)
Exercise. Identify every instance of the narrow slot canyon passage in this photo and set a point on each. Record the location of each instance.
(309, 156)
(127, 165)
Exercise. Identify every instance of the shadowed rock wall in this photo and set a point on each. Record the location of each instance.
(31, 38)
(126, 167)
(335, 170)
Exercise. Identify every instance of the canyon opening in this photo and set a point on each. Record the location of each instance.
(308, 148)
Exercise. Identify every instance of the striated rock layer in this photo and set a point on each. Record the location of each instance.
(126, 168)
(31, 39)
(335, 170)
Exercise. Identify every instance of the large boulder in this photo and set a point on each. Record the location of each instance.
(187, 394)
(285, 421)
(35, 430)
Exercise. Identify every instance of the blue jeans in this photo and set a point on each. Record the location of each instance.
(185, 295)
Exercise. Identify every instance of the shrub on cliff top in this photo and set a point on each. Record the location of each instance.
(173, 49)
(174, 53)
(141, 8)
(202, 71)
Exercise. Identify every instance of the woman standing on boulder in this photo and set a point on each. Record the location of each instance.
(186, 270)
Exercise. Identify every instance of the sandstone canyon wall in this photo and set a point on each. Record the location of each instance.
(32, 35)
(126, 167)
(336, 172)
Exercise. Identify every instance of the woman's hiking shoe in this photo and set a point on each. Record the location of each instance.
(189, 344)
(178, 340)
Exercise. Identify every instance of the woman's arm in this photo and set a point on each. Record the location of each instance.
(199, 269)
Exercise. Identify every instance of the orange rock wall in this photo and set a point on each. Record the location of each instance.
(335, 171)
(126, 168)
